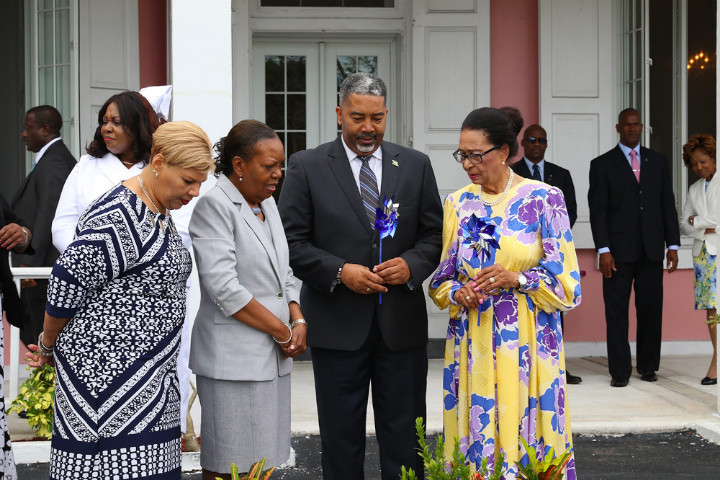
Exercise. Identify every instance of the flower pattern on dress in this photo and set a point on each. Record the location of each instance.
(122, 284)
(705, 280)
(504, 375)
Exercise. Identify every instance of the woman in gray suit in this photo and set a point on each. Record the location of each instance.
(249, 325)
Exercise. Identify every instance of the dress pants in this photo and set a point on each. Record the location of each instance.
(647, 276)
(342, 381)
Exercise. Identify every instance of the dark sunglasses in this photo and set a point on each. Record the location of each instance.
(540, 140)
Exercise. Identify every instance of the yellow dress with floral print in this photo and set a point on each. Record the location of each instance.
(504, 376)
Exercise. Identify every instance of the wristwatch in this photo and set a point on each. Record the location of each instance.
(522, 280)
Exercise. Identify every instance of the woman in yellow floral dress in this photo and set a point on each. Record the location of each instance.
(508, 269)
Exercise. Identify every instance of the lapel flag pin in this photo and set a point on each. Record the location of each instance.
(395, 163)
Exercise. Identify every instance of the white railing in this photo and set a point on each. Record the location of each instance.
(20, 273)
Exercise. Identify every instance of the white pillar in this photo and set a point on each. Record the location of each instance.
(201, 64)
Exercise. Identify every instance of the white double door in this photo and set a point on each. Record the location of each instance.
(295, 84)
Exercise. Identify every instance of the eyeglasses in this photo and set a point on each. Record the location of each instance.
(474, 158)
(540, 140)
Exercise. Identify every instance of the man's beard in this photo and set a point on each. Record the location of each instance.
(365, 148)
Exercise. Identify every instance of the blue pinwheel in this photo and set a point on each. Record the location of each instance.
(480, 236)
(386, 223)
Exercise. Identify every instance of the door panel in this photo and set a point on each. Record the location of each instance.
(302, 110)
(109, 57)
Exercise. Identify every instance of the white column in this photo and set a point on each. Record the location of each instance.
(201, 64)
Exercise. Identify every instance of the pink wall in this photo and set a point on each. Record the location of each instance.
(514, 81)
(514, 56)
(152, 23)
(680, 321)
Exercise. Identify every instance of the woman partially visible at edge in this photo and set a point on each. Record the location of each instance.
(249, 325)
(700, 221)
(114, 316)
(15, 237)
(508, 268)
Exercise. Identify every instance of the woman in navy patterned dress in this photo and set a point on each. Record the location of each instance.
(116, 305)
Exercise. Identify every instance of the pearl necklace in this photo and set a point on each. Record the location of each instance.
(504, 194)
(146, 194)
(129, 164)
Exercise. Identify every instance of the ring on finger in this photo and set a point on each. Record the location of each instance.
(467, 298)
(368, 290)
(492, 279)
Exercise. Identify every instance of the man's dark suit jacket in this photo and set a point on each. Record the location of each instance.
(11, 301)
(556, 176)
(326, 226)
(629, 217)
(37, 199)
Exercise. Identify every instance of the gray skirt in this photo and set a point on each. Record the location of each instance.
(243, 422)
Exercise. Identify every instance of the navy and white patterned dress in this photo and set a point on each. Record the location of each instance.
(122, 284)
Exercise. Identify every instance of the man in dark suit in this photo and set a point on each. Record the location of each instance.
(327, 205)
(533, 165)
(36, 201)
(633, 218)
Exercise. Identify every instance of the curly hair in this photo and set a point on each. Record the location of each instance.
(699, 141)
(139, 122)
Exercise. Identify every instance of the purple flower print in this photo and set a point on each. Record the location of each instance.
(506, 309)
(480, 409)
(557, 212)
(525, 365)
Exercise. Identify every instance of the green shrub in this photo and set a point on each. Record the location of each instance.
(37, 399)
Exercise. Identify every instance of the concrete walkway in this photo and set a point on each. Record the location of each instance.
(676, 401)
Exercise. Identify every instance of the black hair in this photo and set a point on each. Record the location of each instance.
(502, 125)
(627, 110)
(47, 115)
(139, 121)
(239, 142)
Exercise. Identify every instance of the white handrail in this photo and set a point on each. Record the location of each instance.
(20, 273)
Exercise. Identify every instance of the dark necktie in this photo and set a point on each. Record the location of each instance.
(369, 190)
(536, 173)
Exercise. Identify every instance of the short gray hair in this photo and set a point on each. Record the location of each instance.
(362, 84)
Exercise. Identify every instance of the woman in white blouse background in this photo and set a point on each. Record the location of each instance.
(699, 221)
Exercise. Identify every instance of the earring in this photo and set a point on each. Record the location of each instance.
(156, 173)
(240, 179)
(503, 162)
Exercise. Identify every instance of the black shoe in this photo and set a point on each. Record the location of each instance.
(23, 413)
(619, 382)
(648, 376)
(572, 379)
(708, 381)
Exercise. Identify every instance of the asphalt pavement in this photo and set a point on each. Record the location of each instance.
(658, 430)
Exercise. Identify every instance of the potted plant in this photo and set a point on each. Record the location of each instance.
(437, 467)
(550, 468)
(256, 472)
(36, 398)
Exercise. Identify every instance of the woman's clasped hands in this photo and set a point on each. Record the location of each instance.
(484, 284)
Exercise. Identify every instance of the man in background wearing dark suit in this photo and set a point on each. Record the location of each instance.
(533, 165)
(633, 218)
(36, 201)
(327, 205)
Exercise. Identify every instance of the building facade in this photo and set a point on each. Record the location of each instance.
(570, 65)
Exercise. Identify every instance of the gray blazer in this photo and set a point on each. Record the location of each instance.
(236, 262)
